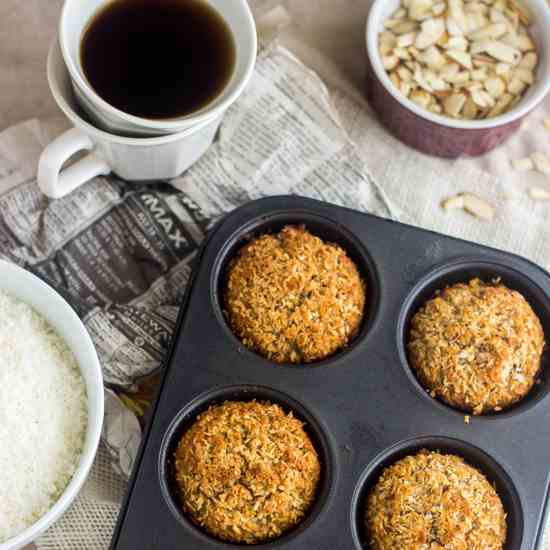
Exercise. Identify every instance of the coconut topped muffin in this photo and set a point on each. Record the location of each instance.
(294, 298)
(431, 500)
(247, 472)
(477, 346)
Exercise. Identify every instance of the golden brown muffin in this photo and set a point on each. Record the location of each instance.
(246, 471)
(294, 298)
(433, 501)
(477, 346)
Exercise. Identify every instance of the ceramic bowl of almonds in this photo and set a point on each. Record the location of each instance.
(456, 77)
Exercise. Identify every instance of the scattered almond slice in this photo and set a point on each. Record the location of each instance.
(541, 162)
(523, 165)
(546, 123)
(453, 203)
(539, 194)
(471, 203)
(478, 207)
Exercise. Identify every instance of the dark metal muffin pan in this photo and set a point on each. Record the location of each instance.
(363, 407)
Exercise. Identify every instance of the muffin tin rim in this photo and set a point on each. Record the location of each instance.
(314, 426)
(525, 404)
(253, 228)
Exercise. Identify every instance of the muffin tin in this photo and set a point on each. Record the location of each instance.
(363, 407)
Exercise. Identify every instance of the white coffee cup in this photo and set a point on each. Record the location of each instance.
(76, 15)
(131, 158)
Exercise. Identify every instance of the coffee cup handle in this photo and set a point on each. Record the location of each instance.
(56, 181)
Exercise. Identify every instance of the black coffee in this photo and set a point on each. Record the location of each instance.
(158, 58)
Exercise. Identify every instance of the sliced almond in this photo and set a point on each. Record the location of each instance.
(546, 123)
(457, 43)
(405, 88)
(523, 165)
(453, 28)
(475, 22)
(470, 109)
(474, 87)
(525, 43)
(525, 75)
(395, 80)
(478, 207)
(490, 32)
(431, 31)
(497, 16)
(529, 61)
(390, 62)
(503, 68)
(456, 9)
(539, 194)
(495, 87)
(406, 40)
(516, 86)
(462, 58)
(404, 73)
(462, 77)
(421, 98)
(402, 53)
(404, 27)
(503, 103)
(432, 58)
(479, 74)
(503, 52)
(525, 15)
(436, 83)
(401, 13)
(418, 77)
(439, 8)
(483, 61)
(453, 203)
(541, 162)
(453, 104)
(420, 9)
(483, 99)
(448, 70)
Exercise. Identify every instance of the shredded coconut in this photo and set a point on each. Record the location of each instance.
(43, 416)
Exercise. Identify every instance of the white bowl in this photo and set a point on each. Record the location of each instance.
(46, 301)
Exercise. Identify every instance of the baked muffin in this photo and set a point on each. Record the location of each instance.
(246, 471)
(477, 346)
(294, 298)
(431, 500)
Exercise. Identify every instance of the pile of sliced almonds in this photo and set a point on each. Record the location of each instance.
(466, 59)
